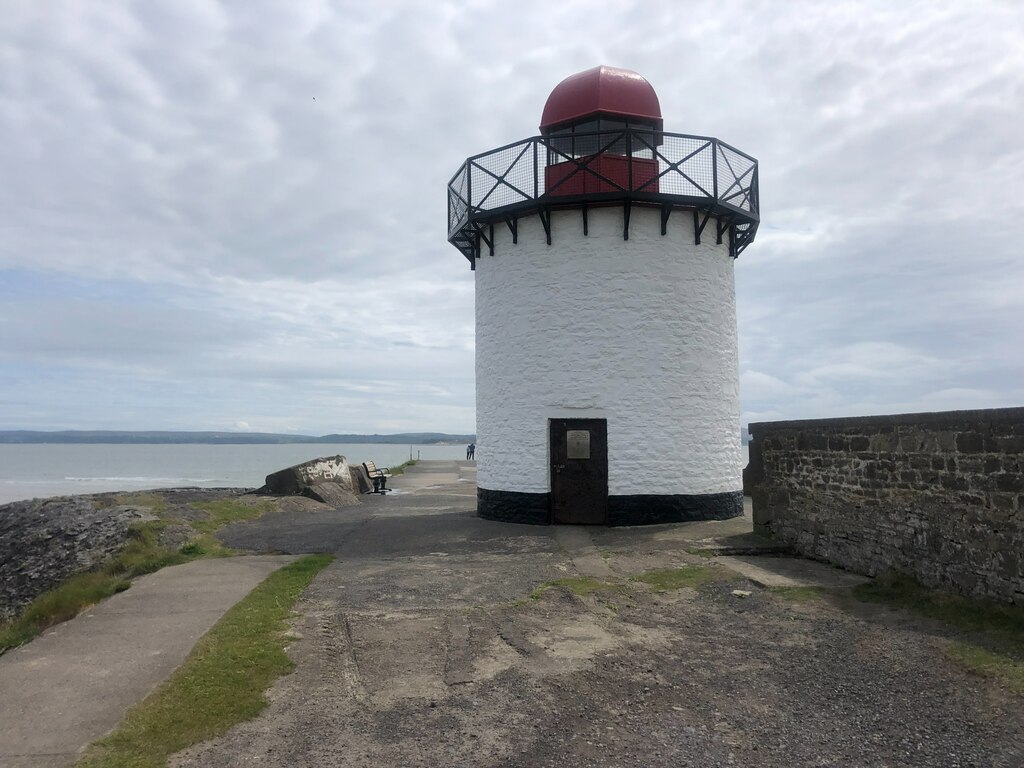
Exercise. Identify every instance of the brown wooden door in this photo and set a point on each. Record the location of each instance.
(579, 471)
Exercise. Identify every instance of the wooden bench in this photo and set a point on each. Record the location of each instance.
(378, 476)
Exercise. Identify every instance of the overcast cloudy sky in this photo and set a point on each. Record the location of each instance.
(231, 215)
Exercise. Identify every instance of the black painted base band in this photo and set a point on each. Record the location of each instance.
(680, 508)
(514, 507)
(645, 509)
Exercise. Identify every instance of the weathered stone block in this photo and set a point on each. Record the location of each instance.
(909, 441)
(1002, 501)
(1010, 444)
(811, 442)
(970, 442)
(1009, 483)
(884, 442)
(859, 443)
(971, 464)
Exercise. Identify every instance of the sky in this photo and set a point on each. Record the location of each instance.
(231, 215)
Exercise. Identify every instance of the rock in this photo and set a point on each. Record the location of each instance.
(327, 479)
(361, 482)
(45, 541)
(741, 593)
(332, 494)
(293, 480)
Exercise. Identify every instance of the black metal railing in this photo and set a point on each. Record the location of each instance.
(632, 165)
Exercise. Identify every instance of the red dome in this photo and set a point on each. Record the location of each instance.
(601, 90)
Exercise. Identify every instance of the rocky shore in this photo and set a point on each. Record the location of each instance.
(43, 542)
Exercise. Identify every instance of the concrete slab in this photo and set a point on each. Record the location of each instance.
(436, 477)
(74, 683)
(791, 572)
(586, 557)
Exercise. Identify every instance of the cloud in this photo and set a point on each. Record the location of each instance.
(234, 212)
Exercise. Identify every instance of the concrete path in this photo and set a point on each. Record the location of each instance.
(428, 643)
(791, 572)
(73, 684)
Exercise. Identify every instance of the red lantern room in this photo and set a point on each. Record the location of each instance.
(578, 116)
(618, 96)
(602, 144)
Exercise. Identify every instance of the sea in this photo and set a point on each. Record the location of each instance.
(42, 470)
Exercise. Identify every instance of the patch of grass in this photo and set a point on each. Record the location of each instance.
(192, 549)
(799, 594)
(142, 499)
(143, 553)
(400, 469)
(578, 585)
(205, 545)
(668, 579)
(703, 552)
(969, 614)
(221, 683)
(220, 513)
(994, 645)
(57, 605)
(988, 663)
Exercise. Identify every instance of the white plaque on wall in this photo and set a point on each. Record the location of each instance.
(577, 443)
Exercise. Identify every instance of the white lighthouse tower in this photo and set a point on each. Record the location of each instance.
(606, 363)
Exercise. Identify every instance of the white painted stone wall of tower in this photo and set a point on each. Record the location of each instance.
(640, 332)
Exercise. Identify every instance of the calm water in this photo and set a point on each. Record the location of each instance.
(36, 471)
(31, 471)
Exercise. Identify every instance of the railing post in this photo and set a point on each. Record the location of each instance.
(469, 187)
(714, 168)
(629, 159)
(755, 205)
(536, 193)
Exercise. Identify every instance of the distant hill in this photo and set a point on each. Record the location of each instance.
(224, 438)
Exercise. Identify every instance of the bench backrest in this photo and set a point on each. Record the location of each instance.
(371, 468)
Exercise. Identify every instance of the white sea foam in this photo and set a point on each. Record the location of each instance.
(128, 479)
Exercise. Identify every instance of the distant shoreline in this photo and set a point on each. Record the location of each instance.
(128, 437)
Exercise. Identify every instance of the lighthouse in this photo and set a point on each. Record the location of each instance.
(603, 253)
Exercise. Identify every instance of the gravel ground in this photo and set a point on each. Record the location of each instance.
(421, 646)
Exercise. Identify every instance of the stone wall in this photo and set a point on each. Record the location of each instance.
(934, 495)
